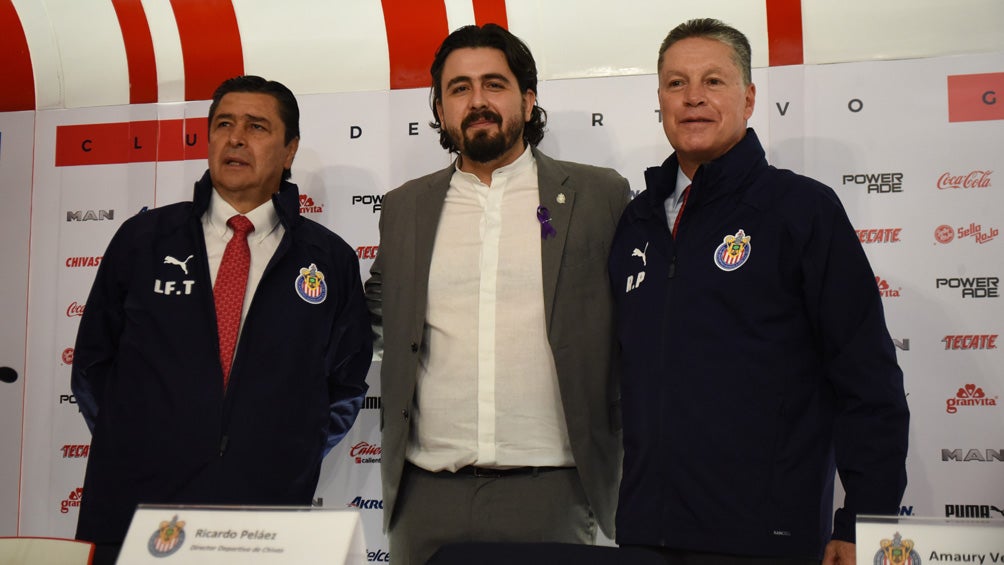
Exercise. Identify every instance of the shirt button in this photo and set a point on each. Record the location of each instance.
(414, 348)
(405, 414)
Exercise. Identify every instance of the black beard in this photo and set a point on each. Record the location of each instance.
(486, 147)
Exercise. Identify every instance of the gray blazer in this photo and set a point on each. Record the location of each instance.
(578, 309)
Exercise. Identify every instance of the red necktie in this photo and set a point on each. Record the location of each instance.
(676, 224)
(228, 292)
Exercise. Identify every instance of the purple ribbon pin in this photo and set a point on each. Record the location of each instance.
(544, 217)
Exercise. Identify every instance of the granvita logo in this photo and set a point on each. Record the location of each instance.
(969, 395)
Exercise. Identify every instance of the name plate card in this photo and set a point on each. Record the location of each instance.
(211, 535)
(911, 541)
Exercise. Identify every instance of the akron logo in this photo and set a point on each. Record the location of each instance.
(733, 252)
(167, 539)
(310, 285)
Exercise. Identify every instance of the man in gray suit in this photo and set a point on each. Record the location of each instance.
(501, 412)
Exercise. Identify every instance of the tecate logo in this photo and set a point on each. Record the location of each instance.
(76, 451)
(973, 179)
(367, 251)
(880, 235)
(970, 342)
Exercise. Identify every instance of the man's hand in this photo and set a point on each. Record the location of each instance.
(839, 553)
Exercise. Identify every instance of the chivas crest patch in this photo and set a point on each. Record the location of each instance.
(168, 539)
(733, 252)
(897, 551)
(310, 285)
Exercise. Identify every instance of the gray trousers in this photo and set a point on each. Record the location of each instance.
(435, 509)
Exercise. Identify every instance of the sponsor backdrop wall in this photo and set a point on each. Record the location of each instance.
(910, 141)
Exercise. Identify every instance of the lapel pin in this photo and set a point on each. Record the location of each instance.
(544, 217)
(561, 198)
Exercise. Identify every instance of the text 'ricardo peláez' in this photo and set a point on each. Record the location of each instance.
(232, 534)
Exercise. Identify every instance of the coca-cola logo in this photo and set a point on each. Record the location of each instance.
(68, 356)
(75, 309)
(365, 452)
(974, 179)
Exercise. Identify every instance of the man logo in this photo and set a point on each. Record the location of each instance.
(984, 455)
(90, 215)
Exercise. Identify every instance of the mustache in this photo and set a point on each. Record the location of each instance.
(481, 115)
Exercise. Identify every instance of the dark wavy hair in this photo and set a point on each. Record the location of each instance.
(521, 64)
(710, 28)
(289, 111)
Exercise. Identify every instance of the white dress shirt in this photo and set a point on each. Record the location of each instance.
(263, 241)
(675, 200)
(487, 391)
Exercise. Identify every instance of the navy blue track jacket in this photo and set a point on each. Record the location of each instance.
(148, 380)
(755, 358)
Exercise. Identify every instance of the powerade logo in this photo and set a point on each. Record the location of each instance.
(971, 287)
(374, 201)
(876, 183)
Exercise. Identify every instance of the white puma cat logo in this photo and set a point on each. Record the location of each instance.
(168, 260)
(641, 253)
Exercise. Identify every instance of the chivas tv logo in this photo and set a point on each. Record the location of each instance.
(969, 395)
(93, 261)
